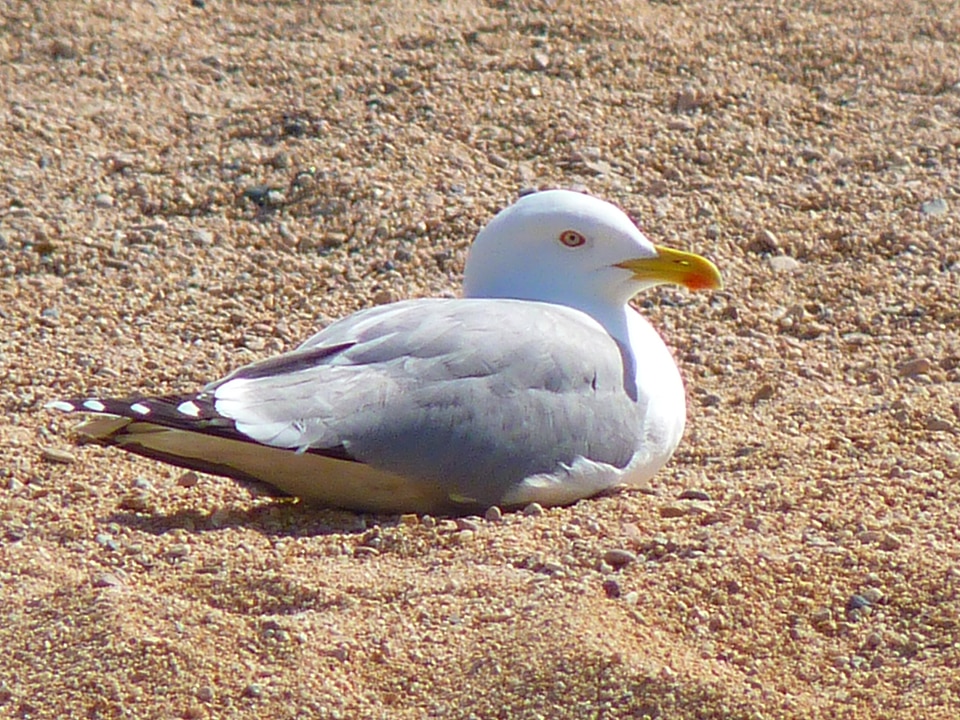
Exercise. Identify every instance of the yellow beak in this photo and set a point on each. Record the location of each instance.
(675, 267)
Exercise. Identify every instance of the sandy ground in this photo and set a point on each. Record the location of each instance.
(186, 189)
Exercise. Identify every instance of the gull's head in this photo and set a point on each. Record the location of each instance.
(572, 249)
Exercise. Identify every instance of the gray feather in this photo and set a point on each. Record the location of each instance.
(468, 394)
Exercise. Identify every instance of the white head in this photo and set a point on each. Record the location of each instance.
(568, 248)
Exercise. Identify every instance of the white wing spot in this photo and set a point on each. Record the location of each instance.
(140, 409)
(62, 405)
(94, 405)
(189, 408)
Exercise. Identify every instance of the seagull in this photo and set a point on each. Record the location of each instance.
(541, 384)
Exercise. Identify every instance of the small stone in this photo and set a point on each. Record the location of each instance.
(103, 200)
(107, 541)
(56, 455)
(631, 598)
(890, 542)
(618, 557)
(935, 424)
(857, 602)
(188, 480)
(107, 580)
(872, 595)
(334, 239)
(783, 263)
(493, 514)
(201, 237)
(62, 50)
(463, 537)
(765, 242)
(137, 501)
(264, 195)
(710, 400)
(253, 690)
(178, 551)
(687, 101)
(694, 494)
(821, 616)
(410, 519)
(611, 588)
(914, 367)
(539, 60)
(937, 206)
(534, 509)
(205, 694)
(466, 523)
(384, 297)
(764, 392)
(672, 511)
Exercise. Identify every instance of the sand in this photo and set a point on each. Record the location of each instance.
(189, 187)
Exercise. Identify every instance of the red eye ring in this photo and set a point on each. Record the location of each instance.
(572, 239)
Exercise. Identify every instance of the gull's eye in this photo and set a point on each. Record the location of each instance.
(572, 239)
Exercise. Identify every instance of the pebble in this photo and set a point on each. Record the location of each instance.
(611, 588)
(857, 602)
(56, 455)
(687, 101)
(534, 509)
(889, 541)
(872, 595)
(694, 494)
(539, 60)
(201, 237)
(178, 550)
(107, 580)
(493, 514)
(710, 400)
(618, 557)
(936, 424)
(672, 511)
(334, 239)
(764, 392)
(189, 479)
(103, 200)
(765, 242)
(107, 541)
(783, 263)
(253, 690)
(498, 160)
(468, 523)
(937, 206)
(914, 367)
(137, 501)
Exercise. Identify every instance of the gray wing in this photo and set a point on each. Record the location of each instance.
(474, 395)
